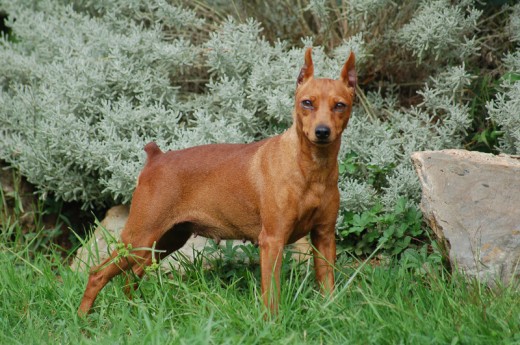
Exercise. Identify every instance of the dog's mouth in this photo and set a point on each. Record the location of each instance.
(321, 142)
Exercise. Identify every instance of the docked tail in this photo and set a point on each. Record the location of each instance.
(152, 150)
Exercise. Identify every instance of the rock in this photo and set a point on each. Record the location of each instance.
(101, 244)
(97, 248)
(471, 200)
(102, 241)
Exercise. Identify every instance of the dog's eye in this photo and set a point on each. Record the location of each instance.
(307, 104)
(340, 106)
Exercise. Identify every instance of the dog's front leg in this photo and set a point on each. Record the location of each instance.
(271, 251)
(324, 250)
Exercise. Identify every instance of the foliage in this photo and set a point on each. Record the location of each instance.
(504, 108)
(392, 232)
(484, 133)
(84, 85)
(442, 31)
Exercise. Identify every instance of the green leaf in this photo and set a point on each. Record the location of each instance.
(342, 168)
(511, 77)
(389, 231)
(400, 207)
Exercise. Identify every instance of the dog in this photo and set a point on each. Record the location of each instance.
(271, 192)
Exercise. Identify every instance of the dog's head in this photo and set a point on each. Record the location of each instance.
(323, 106)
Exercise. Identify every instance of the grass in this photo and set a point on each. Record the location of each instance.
(411, 301)
(388, 304)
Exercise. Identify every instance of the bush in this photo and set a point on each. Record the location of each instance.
(504, 108)
(85, 85)
(441, 31)
(393, 231)
(81, 96)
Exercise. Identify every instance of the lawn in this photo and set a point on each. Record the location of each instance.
(411, 301)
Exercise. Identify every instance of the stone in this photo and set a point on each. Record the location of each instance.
(107, 233)
(471, 200)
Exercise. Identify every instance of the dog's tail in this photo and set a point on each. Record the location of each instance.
(152, 150)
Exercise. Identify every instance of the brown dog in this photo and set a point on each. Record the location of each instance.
(272, 192)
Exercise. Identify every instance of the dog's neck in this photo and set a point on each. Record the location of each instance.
(315, 161)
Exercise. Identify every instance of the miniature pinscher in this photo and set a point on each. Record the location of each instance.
(271, 192)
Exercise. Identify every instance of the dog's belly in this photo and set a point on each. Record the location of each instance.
(224, 220)
(248, 233)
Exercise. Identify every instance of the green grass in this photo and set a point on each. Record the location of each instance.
(411, 301)
(387, 304)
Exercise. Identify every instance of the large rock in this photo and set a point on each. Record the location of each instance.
(471, 200)
(108, 232)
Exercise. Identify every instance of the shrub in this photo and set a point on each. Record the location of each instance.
(84, 85)
(392, 231)
(81, 96)
(441, 31)
(504, 108)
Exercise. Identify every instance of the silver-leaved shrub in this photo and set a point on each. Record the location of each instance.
(505, 108)
(82, 94)
(442, 30)
(84, 85)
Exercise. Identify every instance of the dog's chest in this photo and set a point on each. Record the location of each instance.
(312, 198)
(311, 209)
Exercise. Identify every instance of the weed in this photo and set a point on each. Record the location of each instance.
(394, 231)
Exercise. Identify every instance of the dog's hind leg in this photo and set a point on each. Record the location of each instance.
(172, 240)
(131, 255)
(99, 277)
(116, 264)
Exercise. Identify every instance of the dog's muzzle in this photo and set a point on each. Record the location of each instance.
(322, 133)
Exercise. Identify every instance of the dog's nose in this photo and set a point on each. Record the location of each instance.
(322, 132)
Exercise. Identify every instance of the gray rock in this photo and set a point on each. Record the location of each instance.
(107, 233)
(102, 242)
(471, 200)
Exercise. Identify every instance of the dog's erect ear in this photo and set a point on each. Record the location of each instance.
(307, 71)
(348, 73)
